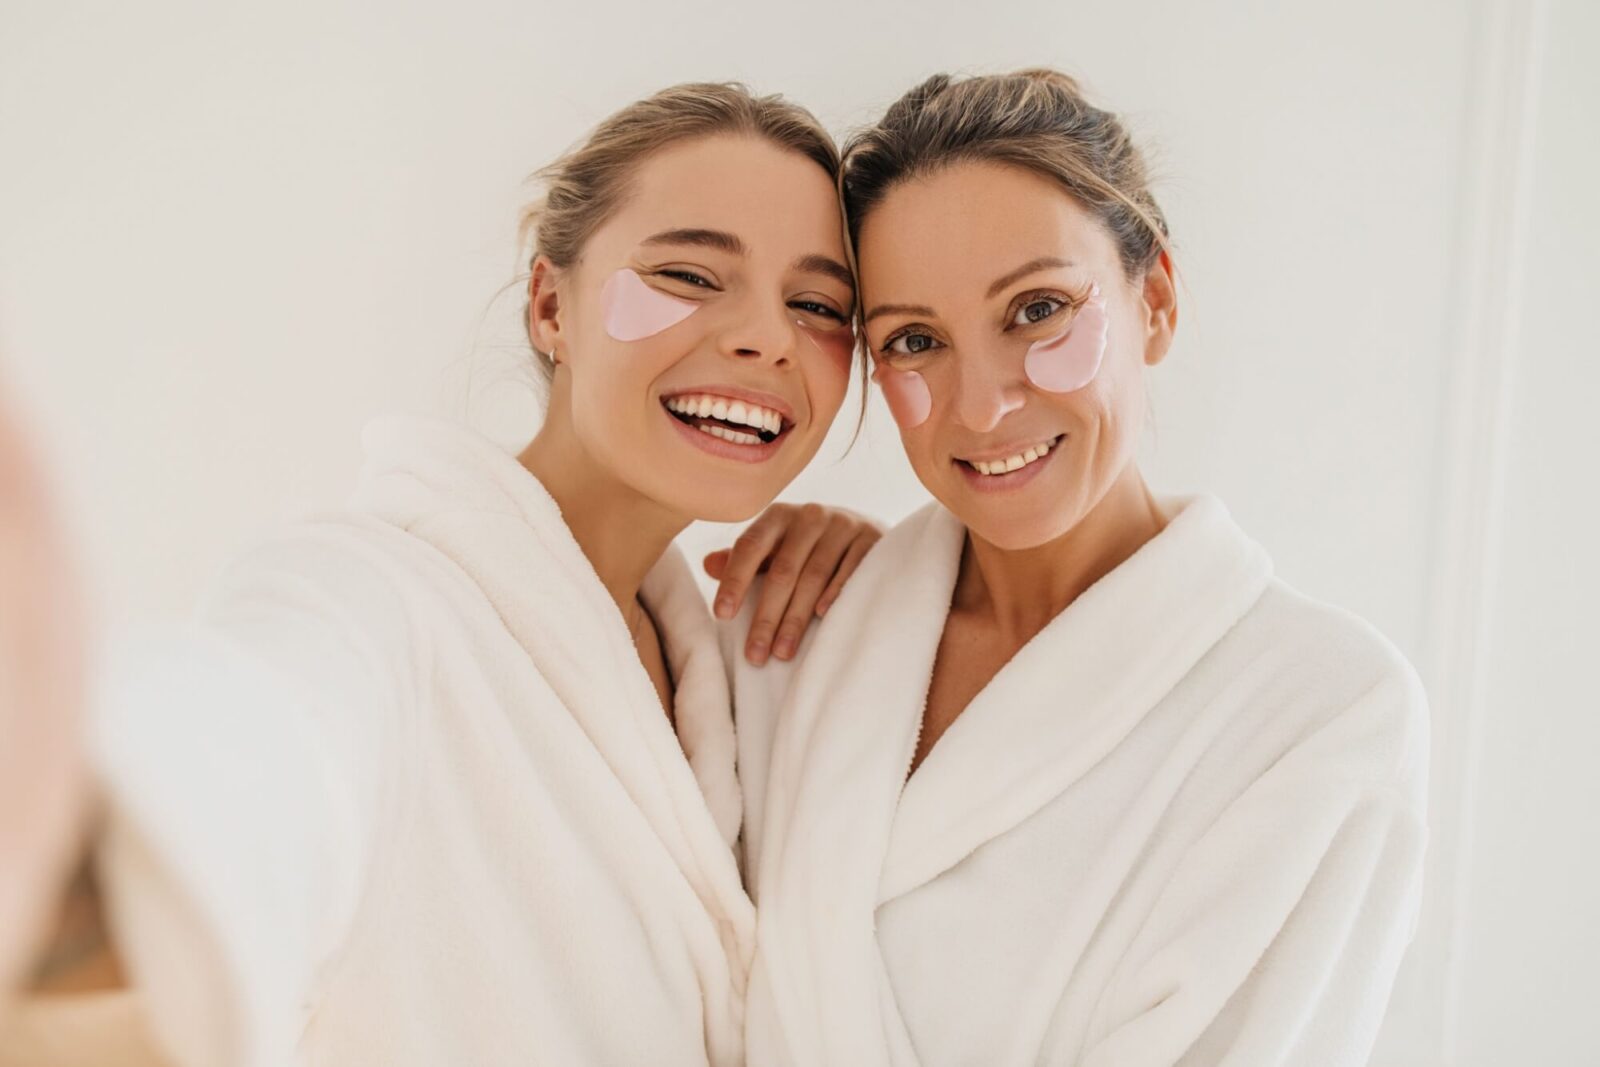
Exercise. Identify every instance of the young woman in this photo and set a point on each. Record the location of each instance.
(1066, 776)
(448, 776)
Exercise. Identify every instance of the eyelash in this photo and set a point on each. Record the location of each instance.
(815, 308)
(688, 277)
(1027, 300)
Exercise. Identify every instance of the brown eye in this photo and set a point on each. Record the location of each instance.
(1036, 310)
(910, 344)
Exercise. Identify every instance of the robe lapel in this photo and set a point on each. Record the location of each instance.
(843, 740)
(1076, 690)
(495, 521)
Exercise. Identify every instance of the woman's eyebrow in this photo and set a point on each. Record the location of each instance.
(899, 309)
(1042, 263)
(820, 264)
(718, 239)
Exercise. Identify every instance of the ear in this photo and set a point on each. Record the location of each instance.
(1161, 309)
(544, 309)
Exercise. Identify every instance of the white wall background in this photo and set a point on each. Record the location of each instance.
(229, 235)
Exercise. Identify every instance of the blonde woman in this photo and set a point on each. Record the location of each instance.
(447, 776)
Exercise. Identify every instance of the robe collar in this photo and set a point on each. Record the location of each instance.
(845, 831)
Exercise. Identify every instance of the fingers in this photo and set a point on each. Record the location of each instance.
(815, 574)
(860, 545)
(788, 562)
(716, 564)
(748, 557)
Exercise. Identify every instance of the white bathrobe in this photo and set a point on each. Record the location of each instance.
(404, 794)
(1184, 825)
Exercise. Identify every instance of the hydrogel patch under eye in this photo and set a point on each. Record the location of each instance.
(838, 344)
(632, 311)
(910, 402)
(1069, 361)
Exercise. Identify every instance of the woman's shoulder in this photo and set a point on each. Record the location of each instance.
(1333, 685)
(327, 560)
(337, 601)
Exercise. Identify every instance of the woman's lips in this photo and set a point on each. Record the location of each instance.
(1012, 479)
(699, 432)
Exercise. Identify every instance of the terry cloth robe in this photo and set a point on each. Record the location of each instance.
(1183, 825)
(404, 794)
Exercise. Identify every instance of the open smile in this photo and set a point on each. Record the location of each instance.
(733, 427)
(1009, 471)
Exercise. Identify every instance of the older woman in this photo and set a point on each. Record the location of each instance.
(1066, 775)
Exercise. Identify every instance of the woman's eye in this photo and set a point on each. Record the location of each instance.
(910, 344)
(688, 277)
(1036, 310)
(815, 308)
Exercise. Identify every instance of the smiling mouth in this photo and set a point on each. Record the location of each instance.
(1011, 464)
(737, 422)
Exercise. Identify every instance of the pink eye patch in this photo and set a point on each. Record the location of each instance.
(1069, 361)
(632, 311)
(838, 344)
(910, 402)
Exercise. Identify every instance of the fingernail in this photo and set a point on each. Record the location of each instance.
(724, 608)
(822, 608)
(784, 648)
(756, 654)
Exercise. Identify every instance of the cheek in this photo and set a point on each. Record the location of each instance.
(836, 349)
(1071, 361)
(632, 311)
(910, 402)
(837, 346)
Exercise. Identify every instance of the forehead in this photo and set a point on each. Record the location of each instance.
(969, 223)
(776, 199)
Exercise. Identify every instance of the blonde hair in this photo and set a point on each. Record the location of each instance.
(582, 189)
(1036, 119)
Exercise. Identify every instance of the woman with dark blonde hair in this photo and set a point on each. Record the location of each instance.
(1066, 776)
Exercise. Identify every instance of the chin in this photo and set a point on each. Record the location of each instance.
(1015, 529)
(1015, 536)
(710, 502)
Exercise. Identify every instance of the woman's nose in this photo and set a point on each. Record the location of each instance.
(987, 390)
(759, 329)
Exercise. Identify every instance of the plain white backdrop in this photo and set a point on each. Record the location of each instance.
(229, 234)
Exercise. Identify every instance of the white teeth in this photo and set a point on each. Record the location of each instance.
(1013, 463)
(705, 405)
(730, 435)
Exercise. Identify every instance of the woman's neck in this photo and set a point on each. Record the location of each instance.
(1021, 590)
(622, 532)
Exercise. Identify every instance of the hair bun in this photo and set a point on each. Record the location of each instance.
(1055, 79)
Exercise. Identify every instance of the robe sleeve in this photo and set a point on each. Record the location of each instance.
(245, 760)
(1278, 938)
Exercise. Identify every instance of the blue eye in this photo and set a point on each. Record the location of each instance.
(910, 344)
(1036, 310)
